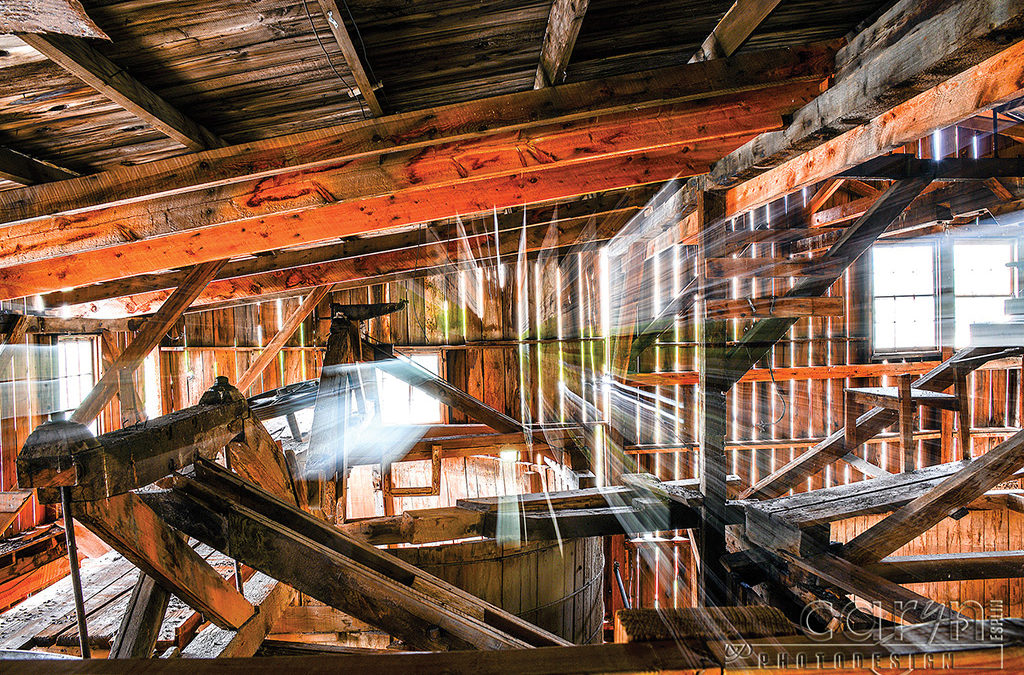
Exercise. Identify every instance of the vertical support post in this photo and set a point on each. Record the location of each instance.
(293, 426)
(237, 567)
(76, 578)
(963, 413)
(906, 426)
(850, 426)
(711, 350)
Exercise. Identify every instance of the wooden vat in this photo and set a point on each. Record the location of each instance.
(558, 589)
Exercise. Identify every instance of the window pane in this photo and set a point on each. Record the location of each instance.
(980, 268)
(904, 323)
(903, 270)
(976, 310)
(402, 404)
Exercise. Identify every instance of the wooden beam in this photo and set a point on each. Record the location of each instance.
(734, 28)
(341, 35)
(318, 559)
(915, 569)
(270, 597)
(586, 659)
(757, 341)
(572, 219)
(868, 497)
(340, 219)
(564, 22)
(140, 627)
(711, 394)
(722, 268)
(146, 340)
(823, 194)
(780, 307)
(840, 372)
(908, 50)
(24, 170)
(423, 128)
(349, 272)
(368, 194)
(128, 459)
(908, 606)
(55, 325)
(79, 58)
(137, 533)
(959, 490)
(989, 83)
(288, 326)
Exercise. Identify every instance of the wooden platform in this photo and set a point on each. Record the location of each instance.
(47, 619)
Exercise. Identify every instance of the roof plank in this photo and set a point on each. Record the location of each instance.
(83, 61)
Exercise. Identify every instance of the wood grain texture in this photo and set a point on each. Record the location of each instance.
(80, 59)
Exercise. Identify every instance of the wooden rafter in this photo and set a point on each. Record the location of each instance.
(348, 50)
(79, 58)
(956, 492)
(563, 27)
(19, 168)
(884, 65)
(146, 340)
(734, 28)
(140, 627)
(401, 188)
(288, 326)
(364, 260)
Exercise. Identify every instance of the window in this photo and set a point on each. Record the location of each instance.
(405, 404)
(903, 277)
(76, 372)
(982, 282)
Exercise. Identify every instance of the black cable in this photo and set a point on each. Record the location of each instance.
(351, 91)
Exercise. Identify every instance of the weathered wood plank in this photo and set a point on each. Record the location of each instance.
(146, 340)
(564, 22)
(957, 491)
(140, 627)
(136, 532)
(20, 168)
(734, 28)
(915, 569)
(79, 58)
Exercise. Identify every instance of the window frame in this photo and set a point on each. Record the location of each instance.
(944, 291)
(1012, 244)
(924, 351)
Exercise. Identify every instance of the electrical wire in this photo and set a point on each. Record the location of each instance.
(330, 62)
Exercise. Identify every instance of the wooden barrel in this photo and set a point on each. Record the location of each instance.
(559, 589)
